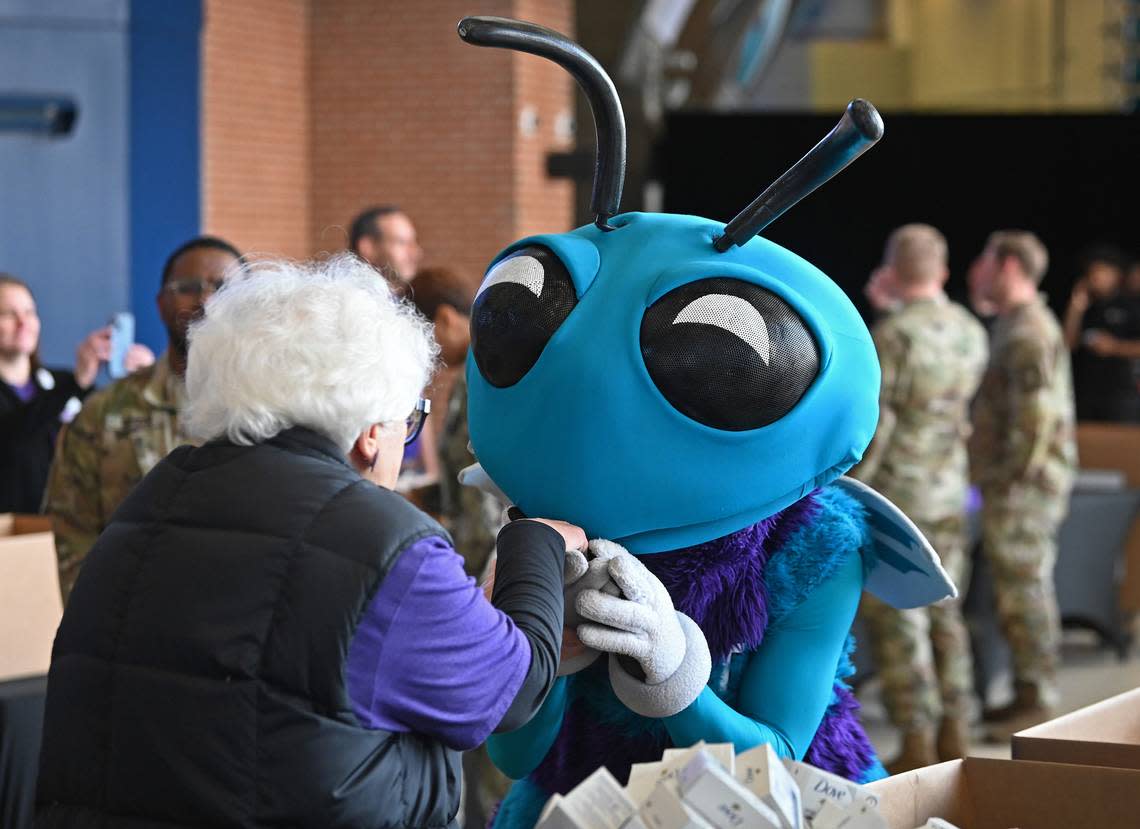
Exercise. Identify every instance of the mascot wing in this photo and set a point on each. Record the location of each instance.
(905, 571)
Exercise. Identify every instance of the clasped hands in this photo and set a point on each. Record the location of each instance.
(659, 660)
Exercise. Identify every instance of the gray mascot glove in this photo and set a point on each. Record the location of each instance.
(580, 573)
(642, 625)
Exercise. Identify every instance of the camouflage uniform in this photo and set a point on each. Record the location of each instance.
(119, 435)
(473, 518)
(933, 355)
(1024, 455)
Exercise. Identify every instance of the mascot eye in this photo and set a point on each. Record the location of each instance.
(727, 353)
(520, 305)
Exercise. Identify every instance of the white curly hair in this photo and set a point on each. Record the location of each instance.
(318, 344)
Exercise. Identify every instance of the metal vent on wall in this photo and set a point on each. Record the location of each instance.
(46, 115)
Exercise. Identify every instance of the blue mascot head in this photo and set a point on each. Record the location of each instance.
(665, 380)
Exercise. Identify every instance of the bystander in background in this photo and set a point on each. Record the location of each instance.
(35, 401)
(128, 427)
(1023, 456)
(933, 353)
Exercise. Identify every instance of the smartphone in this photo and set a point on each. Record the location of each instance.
(122, 337)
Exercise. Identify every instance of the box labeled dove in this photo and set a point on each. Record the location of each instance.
(665, 810)
(721, 799)
(818, 786)
(761, 772)
(598, 802)
(723, 753)
(833, 816)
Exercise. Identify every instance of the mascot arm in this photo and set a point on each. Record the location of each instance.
(518, 753)
(787, 684)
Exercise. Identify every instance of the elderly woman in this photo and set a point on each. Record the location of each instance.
(265, 634)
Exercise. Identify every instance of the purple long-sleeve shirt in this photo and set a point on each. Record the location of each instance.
(432, 655)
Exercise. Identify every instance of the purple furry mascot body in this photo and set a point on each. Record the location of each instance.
(735, 588)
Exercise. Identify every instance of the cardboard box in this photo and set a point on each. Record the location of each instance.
(1104, 734)
(980, 793)
(30, 604)
(1117, 446)
(833, 816)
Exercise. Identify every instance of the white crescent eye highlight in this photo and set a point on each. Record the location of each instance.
(734, 315)
(522, 270)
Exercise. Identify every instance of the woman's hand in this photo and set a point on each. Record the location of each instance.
(92, 351)
(572, 647)
(575, 537)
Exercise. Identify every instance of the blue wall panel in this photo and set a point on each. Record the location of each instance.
(63, 211)
(165, 201)
(89, 218)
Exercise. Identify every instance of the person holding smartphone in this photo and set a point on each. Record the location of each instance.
(132, 424)
(34, 399)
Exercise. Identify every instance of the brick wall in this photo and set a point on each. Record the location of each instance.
(255, 124)
(405, 112)
(543, 204)
(314, 109)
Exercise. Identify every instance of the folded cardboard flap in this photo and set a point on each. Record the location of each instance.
(30, 603)
(980, 793)
(909, 800)
(15, 524)
(1110, 446)
(1104, 734)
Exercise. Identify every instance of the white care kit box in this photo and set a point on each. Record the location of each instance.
(598, 802)
(720, 798)
(763, 774)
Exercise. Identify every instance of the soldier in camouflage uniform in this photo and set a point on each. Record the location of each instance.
(128, 427)
(1024, 457)
(933, 353)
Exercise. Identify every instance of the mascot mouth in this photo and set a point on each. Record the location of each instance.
(476, 476)
(642, 542)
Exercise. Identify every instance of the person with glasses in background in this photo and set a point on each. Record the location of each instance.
(292, 642)
(128, 427)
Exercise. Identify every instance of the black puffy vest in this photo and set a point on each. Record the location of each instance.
(197, 677)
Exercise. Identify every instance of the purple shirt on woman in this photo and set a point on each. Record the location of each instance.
(25, 392)
(432, 655)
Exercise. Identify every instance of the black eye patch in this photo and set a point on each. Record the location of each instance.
(727, 353)
(521, 303)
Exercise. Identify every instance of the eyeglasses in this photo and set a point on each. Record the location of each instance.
(193, 286)
(417, 419)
